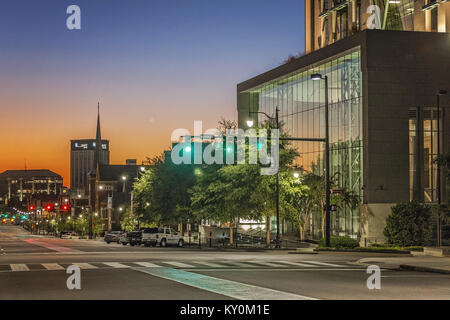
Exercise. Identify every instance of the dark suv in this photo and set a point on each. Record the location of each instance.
(134, 238)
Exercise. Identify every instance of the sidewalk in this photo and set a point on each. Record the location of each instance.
(419, 263)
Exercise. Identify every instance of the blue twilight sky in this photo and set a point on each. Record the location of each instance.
(155, 65)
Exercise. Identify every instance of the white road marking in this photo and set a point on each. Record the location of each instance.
(147, 264)
(233, 289)
(297, 264)
(52, 266)
(239, 264)
(268, 264)
(323, 263)
(209, 264)
(85, 266)
(19, 267)
(179, 264)
(116, 265)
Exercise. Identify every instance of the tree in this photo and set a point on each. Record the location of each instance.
(129, 221)
(161, 193)
(409, 224)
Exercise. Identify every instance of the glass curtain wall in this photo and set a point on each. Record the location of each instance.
(302, 103)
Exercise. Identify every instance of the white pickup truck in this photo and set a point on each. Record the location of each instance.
(161, 236)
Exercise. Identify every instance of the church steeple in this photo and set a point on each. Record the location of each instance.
(98, 140)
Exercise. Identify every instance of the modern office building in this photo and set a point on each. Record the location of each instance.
(385, 128)
(19, 187)
(82, 154)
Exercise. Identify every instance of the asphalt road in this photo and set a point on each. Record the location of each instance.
(34, 267)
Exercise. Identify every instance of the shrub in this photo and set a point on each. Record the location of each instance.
(409, 225)
(340, 242)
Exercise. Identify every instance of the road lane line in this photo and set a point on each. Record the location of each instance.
(323, 263)
(267, 264)
(52, 266)
(240, 264)
(147, 264)
(116, 265)
(209, 264)
(19, 267)
(233, 289)
(178, 264)
(297, 264)
(85, 266)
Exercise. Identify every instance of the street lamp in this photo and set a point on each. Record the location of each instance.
(277, 124)
(124, 179)
(438, 182)
(316, 77)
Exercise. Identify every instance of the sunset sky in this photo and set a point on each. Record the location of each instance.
(154, 65)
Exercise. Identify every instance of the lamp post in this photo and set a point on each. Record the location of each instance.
(438, 182)
(277, 187)
(318, 76)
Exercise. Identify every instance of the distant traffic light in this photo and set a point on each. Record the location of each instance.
(31, 208)
(49, 207)
(66, 207)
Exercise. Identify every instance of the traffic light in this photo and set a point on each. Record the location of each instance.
(49, 207)
(65, 207)
(31, 208)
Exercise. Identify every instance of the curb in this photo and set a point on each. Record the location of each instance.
(423, 269)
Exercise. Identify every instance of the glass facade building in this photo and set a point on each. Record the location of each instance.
(301, 102)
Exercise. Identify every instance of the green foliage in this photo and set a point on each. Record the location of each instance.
(409, 225)
(340, 242)
(129, 221)
(161, 194)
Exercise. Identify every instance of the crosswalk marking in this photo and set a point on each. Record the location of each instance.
(192, 264)
(209, 264)
(85, 266)
(19, 267)
(297, 264)
(116, 265)
(147, 264)
(268, 264)
(323, 263)
(52, 266)
(238, 264)
(179, 264)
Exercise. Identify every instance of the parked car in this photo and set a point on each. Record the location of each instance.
(163, 237)
(68, 235)
(123, 239)
(134, 238)
(148, 236)
(112, 236)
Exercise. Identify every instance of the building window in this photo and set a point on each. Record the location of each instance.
(301, 103)
(412, 154)
(434, 19)
(430, 140)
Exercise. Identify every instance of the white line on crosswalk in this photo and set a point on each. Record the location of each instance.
(209, 264)
(323, 263)
(85, 266)
(147, 264)
(238, 264)
(268, 264)
(297, 264)
(178, 264)
(52, 266)
(19, 267)
(116, 265)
